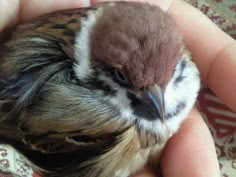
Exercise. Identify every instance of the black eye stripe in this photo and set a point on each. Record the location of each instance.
(102, 85)
(178, 109)
(97, 84)
(183, 64)
(117, 75)
(180, 77)
(111, 73)
(121, 77)
(140, 108)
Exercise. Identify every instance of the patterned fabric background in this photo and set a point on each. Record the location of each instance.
(221, 121)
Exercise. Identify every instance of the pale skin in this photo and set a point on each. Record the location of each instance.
(190, 152)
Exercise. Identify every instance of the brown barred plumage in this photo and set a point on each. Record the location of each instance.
(73, 126)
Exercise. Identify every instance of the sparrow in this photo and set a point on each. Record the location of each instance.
(97, 91)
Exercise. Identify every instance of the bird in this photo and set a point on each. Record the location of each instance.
(96, 91)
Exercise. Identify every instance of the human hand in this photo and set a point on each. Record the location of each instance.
(17, 11)
(193, 143)
(191, 151)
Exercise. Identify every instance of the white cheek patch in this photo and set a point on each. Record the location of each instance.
(82, 44)
(185, 92)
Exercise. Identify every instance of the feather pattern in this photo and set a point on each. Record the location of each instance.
(61, 104)
(36, 69)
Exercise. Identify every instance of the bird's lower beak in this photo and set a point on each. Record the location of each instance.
(155, 99)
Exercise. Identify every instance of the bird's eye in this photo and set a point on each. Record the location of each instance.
(121, 77)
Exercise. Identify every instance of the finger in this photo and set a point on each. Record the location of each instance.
(163, 4)
(221, 77)
(15, 11)
(213, 50)
(8, 12)
(203, 38)
(191, 151)
(145, 173)
(34, 8)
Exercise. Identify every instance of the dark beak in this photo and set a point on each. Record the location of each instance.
(155, 99)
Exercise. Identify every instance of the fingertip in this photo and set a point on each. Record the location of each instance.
(33, 8)
(221, 76)
(191, 151)
(166, 4)
(163, 4)
(204, 39)
(9, 11)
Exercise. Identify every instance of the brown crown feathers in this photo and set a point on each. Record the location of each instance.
(139, 46)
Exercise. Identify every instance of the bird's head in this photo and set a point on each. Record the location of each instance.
(135, 56)
(125, 63)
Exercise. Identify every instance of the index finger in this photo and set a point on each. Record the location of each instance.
(213, 50)
(16, 11)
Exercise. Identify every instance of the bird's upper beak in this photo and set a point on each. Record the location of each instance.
(155, 99)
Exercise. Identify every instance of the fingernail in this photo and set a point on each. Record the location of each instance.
(165, 4)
